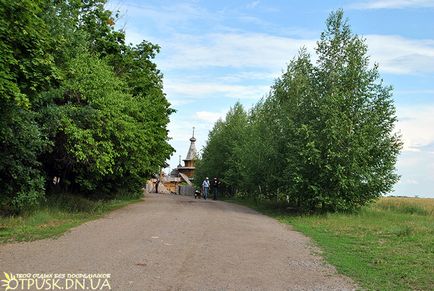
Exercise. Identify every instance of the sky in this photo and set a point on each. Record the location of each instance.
(215, 53)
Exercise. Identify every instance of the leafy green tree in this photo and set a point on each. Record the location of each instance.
(344, 145)
(260, 168)
(26, 68)
(83, 150)
(21, 141)
(77, 102)
(102, 129)
(110, 110)
(324, 137)
(220, 157)
(210, 163)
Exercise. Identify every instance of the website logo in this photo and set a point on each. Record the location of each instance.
(55, 281)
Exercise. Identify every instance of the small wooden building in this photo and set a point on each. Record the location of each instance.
(189, 161)
(182, 174)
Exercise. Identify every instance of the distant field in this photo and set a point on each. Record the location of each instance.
(423, 206)
(388, 245)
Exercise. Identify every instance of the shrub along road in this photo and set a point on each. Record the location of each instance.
(173, 242)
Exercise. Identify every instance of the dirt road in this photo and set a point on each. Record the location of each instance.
(177, 243)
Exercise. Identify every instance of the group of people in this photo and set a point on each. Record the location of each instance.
(213, 185)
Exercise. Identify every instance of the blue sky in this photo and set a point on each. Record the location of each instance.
(214, 53)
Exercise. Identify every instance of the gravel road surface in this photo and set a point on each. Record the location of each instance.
(171, 242)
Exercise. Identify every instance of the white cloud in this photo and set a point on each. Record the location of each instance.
(392, 4)
(262, 52)
(253, 4)
(417, 174)
(208, 116)
(162, 16)
(408, 181)
(262, 55)
(269, 54)
(180, 131)
(193, 90)
(249, 76)
(232, 50)
(416, 126)
(175, 102)
(416, 162)
(399, 55)
(181, 125)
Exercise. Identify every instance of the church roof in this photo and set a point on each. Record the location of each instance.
(192, 152)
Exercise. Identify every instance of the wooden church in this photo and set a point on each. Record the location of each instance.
(179, 181)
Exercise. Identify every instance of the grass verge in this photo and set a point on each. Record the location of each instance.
(55, 217)
(388, 245)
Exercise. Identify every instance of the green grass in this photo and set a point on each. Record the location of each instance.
(388, 245)
(55, 217)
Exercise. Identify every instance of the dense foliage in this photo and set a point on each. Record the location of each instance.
(76, 103)
(323, 139)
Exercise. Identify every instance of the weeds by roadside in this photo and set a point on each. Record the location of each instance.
(57, 215)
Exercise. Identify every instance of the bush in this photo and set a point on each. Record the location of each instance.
(21, 180)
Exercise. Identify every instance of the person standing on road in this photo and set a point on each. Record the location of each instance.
(215, 188)
(205, 188)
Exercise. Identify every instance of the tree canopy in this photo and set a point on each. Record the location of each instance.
(323, 139)
(77, 103)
